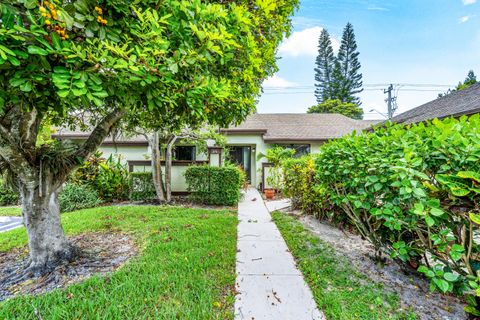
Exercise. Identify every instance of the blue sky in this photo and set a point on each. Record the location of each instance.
(401, 42)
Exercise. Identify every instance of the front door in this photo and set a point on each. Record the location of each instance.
(242, 156)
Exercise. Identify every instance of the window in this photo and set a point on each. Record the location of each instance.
(184, 153)
(300, 149)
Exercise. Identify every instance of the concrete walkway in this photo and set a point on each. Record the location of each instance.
(269, 284)
(10, 223)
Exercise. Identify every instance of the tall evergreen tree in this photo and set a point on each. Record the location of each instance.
(350, 79)
(324, 66)
(470, 79)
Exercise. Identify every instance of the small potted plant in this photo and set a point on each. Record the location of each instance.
(269, 193)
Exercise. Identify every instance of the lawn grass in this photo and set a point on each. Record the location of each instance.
(339, 291)
(10, 211)
(186, 268)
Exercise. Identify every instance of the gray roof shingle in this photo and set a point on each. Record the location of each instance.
(299, 126)
(456, 104)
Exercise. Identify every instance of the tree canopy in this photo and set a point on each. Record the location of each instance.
(470, 80)
(92, 63)
(348, 109)
(324, 63)
(338, 77)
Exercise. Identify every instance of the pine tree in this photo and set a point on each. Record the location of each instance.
(470, 79)
(324, 66)
(350, 81)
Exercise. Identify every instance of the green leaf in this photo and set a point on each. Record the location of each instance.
(469, 175)
(436, 212)
(474, 217)
(57, 42)
(14, 61)
(419, 192)
(100, 94)
(441, 284)
(26, 87)
(173, 67)
(451, 277)
(79, 92)
(429, 221)
(63, 93)
(37, 50)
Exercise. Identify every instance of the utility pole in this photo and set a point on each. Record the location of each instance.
(390, 101)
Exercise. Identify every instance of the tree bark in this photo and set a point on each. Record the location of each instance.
(168, 168)
(39, 182)
(154, 142)
(48, 245)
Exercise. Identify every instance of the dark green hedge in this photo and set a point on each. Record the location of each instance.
(412, 191)
(141, 187)
(214, 185)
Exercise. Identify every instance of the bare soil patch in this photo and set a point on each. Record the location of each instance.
(412, 289)
(100, 253)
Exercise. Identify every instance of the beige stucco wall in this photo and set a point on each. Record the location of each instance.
(255, 141)
(126, 153)
(129, 153)
(178, 176)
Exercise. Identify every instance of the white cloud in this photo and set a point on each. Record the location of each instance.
(469, 2)
(277, 82)
(304, 43)
(377, 8)
(464, 19)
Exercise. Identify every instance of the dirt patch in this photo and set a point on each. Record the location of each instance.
(413, 290)
(101, 253)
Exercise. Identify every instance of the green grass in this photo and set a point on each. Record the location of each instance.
(340, 291)
(186, 268)
(10, 211)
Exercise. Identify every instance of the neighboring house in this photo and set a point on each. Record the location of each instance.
(455, 104)
(303, 132)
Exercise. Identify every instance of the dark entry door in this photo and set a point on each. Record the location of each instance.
(242, 156)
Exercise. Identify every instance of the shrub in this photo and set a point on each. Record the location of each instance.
(142, 187)
(109, 177)
(75, 197)
(214, 185)
(412, 191)
(299, 184)
(8, 197)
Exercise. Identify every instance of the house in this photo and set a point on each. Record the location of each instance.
(302, 132)
(455, 104)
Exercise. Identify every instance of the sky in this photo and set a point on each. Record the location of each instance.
(422, 47)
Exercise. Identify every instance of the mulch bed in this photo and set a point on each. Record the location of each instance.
(101, 253)
(412, 288)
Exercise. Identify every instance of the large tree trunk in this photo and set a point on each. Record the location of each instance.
(39, 179)
(47, 242)
(154, 142)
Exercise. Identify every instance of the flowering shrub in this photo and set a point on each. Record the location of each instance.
(414, 192)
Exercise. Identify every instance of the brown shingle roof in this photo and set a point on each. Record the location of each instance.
(299, 126)
(456, 104)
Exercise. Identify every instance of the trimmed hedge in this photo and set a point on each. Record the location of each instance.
(142, 187)
(413, 191)
(214, 185)
(8, 197)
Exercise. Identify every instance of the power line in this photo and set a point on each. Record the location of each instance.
(311, 92)
(418, 85)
